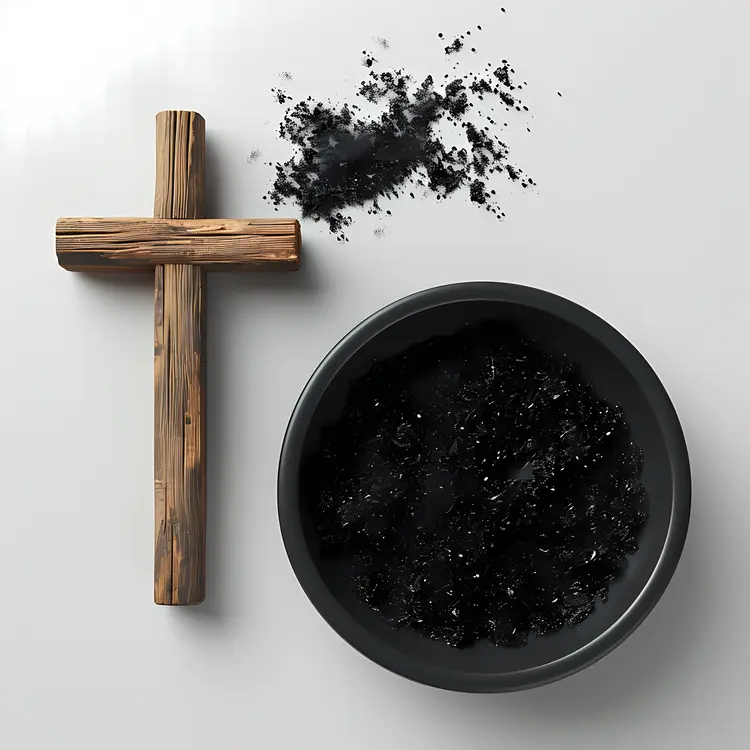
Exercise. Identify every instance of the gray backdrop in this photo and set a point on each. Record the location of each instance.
(642, 169)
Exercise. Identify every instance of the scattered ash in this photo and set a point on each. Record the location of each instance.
(479, 489)
(281, 96)
(286, 75)
(382, 42)
(379, 232)
(253, 156)
(455, 46)
(347, 157)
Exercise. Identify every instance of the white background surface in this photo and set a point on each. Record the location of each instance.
(640, 215)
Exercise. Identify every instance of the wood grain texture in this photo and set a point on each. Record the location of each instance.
(85, 244)
(179, 373)
(179, 436)
(180, 159)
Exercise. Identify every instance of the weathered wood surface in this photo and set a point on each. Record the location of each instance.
(180, 159)
(179, 373)
(89, 244)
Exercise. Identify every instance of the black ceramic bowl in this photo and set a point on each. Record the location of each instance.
(619, 374)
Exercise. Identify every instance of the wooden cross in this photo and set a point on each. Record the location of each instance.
(178, 245)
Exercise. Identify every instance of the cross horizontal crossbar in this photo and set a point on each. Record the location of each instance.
(91, 244)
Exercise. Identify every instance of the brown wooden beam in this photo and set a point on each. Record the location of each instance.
(88, 244)
(179, 373)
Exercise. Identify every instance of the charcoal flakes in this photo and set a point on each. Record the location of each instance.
(347, 157)
(479, 489)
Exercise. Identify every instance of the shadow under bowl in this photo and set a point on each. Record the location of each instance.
(618, 373)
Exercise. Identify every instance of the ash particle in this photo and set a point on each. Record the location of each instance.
(281, 96)
(455, 46)
(477, 192)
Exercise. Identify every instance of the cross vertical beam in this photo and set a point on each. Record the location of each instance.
(179, 372)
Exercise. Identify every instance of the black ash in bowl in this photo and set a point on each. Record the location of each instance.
(480, 488)
(433, 354)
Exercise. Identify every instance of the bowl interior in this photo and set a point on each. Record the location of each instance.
(327, 581)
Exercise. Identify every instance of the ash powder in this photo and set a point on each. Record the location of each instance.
(345, 158)
(479, 488)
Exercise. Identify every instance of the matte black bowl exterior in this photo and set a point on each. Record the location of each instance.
(618, 372)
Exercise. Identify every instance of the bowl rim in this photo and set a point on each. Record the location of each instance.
(346, 625)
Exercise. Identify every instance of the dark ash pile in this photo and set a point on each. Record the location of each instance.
(346, 158)
(479, 488)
